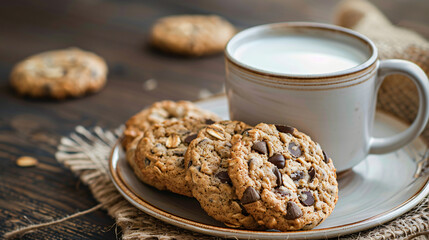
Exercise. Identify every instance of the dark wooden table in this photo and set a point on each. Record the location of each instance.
(118, 31)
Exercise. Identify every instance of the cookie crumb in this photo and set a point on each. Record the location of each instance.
(150, 84)
(26, 161)
(204, 93)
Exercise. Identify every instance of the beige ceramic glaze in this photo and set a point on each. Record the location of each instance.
(370, 194)
(335, 109)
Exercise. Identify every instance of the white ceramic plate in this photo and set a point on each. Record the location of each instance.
(379, 189)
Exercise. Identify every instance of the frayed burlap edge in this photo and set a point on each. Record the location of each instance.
(86, 153)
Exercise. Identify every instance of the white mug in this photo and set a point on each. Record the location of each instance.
(269, 80)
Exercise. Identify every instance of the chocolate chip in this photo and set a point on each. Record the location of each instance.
(189, 164)
(260, 147)
(311, 173)
(306, 198)
(285, 129)
(325, 157)
(250, 195)
(293, 211)
(191, 137)
(282, 192)
(246, 131)
(278, 175)
(278, 160)
(209, 121)
(223, 177)
(146, 161)
(294, 149)
(297, 175)
(243, 210)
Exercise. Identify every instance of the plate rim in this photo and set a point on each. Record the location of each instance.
(192, 225)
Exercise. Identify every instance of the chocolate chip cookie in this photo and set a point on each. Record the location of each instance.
(159, 112)
(207, 160)
(193, 35)
(283, 178)
(159, 155)
(59, 74)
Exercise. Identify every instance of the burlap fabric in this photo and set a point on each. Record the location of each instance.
(398, 94)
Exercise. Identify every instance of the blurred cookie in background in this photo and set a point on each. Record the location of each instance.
(59, 74)
(192, 35)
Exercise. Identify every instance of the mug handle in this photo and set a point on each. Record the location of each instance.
(415, 73)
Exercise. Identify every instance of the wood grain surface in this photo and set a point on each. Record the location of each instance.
(118, 31)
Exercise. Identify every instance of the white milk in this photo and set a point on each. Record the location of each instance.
(300, 55)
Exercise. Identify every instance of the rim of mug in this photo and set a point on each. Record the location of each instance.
(321, 26)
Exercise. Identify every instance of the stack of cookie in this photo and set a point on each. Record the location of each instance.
(262, 177)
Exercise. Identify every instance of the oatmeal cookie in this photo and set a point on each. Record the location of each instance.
(207, 161)
(283, 178)
(159, 112)
(193, 35)
(59, 74)
(159, 155)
